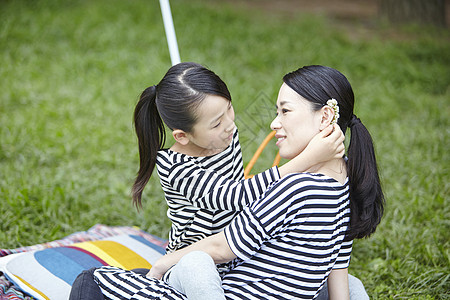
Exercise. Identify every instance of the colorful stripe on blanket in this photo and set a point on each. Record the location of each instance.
(96, 232)
(60, 261)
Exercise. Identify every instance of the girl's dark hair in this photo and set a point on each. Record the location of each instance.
(318, 84)
(172, 101)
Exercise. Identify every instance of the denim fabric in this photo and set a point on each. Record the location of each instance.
(85, 288)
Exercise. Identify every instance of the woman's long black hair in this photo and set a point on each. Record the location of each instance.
(318, 84)
(172, 101)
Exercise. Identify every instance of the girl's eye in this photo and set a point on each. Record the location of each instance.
(215, 126)
(284, 110)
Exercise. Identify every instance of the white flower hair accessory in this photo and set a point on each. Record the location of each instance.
(334, 105)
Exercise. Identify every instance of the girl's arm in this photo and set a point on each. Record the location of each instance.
(215, 245)
(338, 285)
(326, 145)
(206, 189)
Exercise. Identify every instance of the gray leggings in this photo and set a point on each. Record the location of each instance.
(196, 276)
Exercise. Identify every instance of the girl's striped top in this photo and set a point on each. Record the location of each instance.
(205, 193)
(288, 241)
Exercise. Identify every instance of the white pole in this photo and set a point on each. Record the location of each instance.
(170, 31)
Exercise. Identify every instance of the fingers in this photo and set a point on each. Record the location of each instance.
(338, 130)
(340, 151)
(153, 274)
(339, 141)
(327, 131)
(336, 140)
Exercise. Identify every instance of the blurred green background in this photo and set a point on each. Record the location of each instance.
(71, 73)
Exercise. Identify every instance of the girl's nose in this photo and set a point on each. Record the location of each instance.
(230, 117)
(230, 128)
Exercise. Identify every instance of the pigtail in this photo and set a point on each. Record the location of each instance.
(366, 195)
(151, 138)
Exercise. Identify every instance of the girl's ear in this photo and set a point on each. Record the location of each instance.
(180, 136)
(327, 117)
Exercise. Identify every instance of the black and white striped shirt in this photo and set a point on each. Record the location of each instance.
(288, 241)
(205, 193)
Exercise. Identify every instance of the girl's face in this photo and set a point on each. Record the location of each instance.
(296, 123)
(214, 128)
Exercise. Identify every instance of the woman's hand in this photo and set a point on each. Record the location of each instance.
(158, 269)
(216, 246)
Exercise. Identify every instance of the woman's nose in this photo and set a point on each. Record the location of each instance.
(275, 124)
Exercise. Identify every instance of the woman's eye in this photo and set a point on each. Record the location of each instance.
(215, 126)
(284, 110)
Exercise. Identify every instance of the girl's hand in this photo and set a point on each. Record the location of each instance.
(327, 144)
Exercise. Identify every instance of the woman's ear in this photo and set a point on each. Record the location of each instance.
(180, 136)
(327, 117)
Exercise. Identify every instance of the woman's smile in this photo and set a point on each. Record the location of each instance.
(280, 138)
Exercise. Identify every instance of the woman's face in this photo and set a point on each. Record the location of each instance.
(214, 128)
(296, 123)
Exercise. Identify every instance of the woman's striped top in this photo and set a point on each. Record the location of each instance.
(288, 241)
(205, 193)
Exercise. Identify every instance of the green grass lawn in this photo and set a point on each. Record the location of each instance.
(71, 73)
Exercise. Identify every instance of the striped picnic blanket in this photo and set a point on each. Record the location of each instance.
(9, 292)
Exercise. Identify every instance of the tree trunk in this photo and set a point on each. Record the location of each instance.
(430, 12)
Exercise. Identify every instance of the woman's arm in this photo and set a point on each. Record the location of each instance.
(338, 285)
(216, 246)
(327, 144)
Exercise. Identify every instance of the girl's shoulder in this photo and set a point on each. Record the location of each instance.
(170, 157)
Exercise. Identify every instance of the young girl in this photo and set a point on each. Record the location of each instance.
(286, 243)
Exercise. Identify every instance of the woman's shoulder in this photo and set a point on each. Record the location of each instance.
(304, 188)
(307, 181)
(297, 190)
(313, 177)
(305, 177)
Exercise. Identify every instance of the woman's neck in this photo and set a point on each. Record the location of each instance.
(335, 168)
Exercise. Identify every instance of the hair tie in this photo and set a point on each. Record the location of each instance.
(353, 121)
(152, 91)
